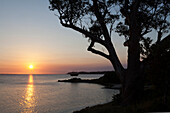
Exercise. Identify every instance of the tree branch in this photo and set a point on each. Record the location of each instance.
(90, 48)
(160, 33)
(124, 11)
(146, 31)
(159, 36)
(101, 21)
(112, 53)
(112, 56)
(85, 32)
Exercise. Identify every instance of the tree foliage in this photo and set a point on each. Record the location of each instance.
(97, 22)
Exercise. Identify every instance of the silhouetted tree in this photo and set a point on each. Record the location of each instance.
(159, 70)
(133, 19)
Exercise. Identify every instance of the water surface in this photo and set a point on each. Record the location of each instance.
(42, 93)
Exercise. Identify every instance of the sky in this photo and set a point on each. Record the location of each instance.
(31, 34)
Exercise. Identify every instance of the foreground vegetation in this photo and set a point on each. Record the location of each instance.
(152, 102)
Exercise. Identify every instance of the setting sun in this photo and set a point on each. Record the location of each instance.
(31, 66)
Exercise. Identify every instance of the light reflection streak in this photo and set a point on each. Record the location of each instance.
(28, 102)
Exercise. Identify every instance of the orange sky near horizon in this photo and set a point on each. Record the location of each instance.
(60, 67)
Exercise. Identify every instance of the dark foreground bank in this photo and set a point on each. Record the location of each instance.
(153, 100)
(149, 104)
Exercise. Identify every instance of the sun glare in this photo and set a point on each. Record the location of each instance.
(31, 66)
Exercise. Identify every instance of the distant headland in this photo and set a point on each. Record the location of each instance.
(93, 72)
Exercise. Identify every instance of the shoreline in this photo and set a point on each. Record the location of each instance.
(96, 108)
(93, 81)
(110, 81)
(151, 101)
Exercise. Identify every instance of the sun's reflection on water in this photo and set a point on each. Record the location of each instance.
(28, 102)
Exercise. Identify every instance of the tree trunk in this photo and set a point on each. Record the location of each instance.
(133, 84)
(133, 87)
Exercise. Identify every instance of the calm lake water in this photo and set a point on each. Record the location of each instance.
(42, 94)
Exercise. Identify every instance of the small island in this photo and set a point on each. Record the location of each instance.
(109, 80)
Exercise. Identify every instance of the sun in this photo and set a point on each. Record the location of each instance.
(31, 66)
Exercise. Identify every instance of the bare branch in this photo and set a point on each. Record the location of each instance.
(159, 36)
(160, 33)
(111, 27)
(85, 32)
(90, 48)
(146, 31)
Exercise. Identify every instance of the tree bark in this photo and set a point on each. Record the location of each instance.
(133, 83)
(133, 79)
